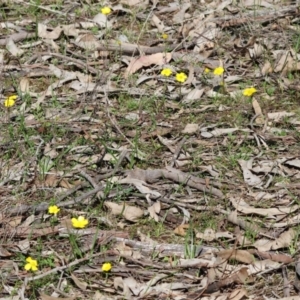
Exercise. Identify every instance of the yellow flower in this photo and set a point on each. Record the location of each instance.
(166, 72)
(32, 264)
(249, 91)
(164, 36)
(80, 222)
(181, 77)
(106, 267)
(53, 209)
(206, 70)
(218, 71)
(10, 101)
(105, 10)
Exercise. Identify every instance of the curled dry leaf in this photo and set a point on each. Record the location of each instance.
(137, 3)
(238, 255)
(258, 112)
(284, 241)
(238, 294)
(181, 229)
(245, 208)
(190, 128)
(45, 34)
(81, 284)
(99, 296)
(102, 21)
(87, 41)
(250, 178)
(158, 23)
(154, 210)
(262, 265)
(13, 48)
(140, 185)
(276, 116)
(209, 235)
(46, 297)
(146, 61)
(130, 213)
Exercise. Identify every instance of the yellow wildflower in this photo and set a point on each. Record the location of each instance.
(80, 222)
(166, 72)
(249, 91)
(181, 77)
(10, 101)
(164, 36)
(106, 267)
(206, 70)
(53, 209)
(32, 264)
(219, 71)
(105, 10)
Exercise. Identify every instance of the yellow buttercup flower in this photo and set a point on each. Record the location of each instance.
(105, 10)
(10, 101)
(53, 209)
(249, 91)
(32, 264)
(164, 36)
(80, 222)
(106, 267)
(166, 72)
(219, 71)
(206, 70)
(181, 77)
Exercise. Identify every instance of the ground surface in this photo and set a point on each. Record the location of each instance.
(190, 189)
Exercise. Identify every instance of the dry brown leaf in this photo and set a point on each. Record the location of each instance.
(45, 34)
(155, 21)
(24, 85)
(140, 185)
(4, 252)
(190, 128)
(137, 3)
(14, 221)
(208, 235)
(258, 112)
(239, 255)
(282, 258)
(65, 184)
(154, 210)
(250, 178)
(238, 294)
(179, 17)
(98, 296)
(267, 68)
(262, 265)
(276, 116)
(287, 61)
(284, 241)
(102, 20)
(29, 220)
(240, 277)
(88, 41)
(244, 208)
(81, 284)
(193, 95)
(51, 180)
(46, 297)
(130, 213)
(13, 48)
(181, 229)
(146, 61)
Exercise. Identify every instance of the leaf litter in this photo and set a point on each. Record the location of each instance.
(190, 188)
